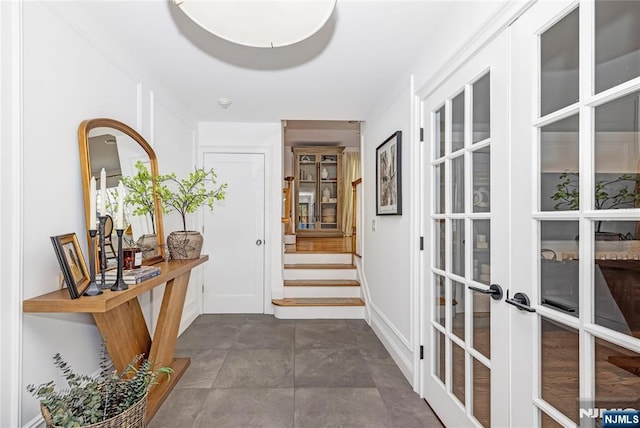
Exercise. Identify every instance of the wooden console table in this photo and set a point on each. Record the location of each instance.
(119, 319)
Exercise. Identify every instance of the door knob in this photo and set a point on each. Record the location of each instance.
(259, 242)
(520, 301)
(494, 290)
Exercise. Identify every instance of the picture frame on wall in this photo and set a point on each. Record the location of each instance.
(388, 176)
(72, 264)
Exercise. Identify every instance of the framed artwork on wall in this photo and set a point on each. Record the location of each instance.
(388, 176)
(72, 264)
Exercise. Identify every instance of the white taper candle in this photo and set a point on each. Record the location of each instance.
(103, 192)
(92, 204)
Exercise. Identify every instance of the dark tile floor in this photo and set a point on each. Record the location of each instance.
(258, 371)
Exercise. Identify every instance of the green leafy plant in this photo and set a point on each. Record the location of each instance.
(140, 193)
(186, 195)
(92, 399)
(608, 193)
(568, 194)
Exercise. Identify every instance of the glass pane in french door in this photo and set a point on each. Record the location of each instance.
(616, 276)
(559, 266)
(617, 155)
(458, 309)
(457, 247)
(559, 163)
(481, 109)
(481, 324)
(617, 381)
(457, 122)
(559, 367)
(457, 184)
(617, 42)
(481, 390)
(559, 60)
(439, 353)
(458, 372)
(481, 180)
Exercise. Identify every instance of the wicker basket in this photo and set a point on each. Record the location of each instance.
(133, 417)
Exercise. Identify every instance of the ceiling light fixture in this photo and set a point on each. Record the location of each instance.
(259, 23)
(224, 102)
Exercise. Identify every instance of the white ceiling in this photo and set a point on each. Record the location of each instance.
(363, 54)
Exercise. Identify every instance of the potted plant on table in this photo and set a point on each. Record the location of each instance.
(185, 196)
(103, 401)
(140, 195)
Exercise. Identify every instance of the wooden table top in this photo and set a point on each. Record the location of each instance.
(60, 301)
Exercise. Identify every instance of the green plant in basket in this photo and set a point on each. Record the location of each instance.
(92, 399)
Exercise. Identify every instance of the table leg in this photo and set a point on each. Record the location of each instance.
(164, 341)
(125, 331)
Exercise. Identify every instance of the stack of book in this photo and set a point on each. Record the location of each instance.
(134, 276)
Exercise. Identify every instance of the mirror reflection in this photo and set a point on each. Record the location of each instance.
(118, 154)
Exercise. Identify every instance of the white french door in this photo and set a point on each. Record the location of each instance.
(234, 236)
(565, 340)
(575, 185)
(465, 329)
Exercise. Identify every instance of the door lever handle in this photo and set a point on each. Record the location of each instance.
(494, 290)
(520, 301)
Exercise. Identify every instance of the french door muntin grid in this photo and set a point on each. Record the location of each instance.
(588, 331)
(468, 217)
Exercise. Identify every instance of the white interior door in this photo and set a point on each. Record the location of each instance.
(234, 236)
(465, 332)
(575, 187)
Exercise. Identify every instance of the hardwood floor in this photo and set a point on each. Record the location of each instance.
(320, 245)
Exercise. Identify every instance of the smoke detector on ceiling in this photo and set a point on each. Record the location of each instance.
(224, 102)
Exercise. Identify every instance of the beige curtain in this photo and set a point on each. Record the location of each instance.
(350, 173)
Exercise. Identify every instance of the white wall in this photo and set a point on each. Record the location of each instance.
(391, 254)
(387, 250)
(259, 138)
(69, 72)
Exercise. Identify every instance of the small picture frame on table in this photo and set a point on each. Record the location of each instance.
(72, 264)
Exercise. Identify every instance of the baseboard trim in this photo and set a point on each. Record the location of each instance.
(366, 296)
(386, 336)
(389, 325)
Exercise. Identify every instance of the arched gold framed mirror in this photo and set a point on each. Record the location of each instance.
(116, 147)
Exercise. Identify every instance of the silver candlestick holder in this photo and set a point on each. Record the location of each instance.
(119, 285)
(93, 289)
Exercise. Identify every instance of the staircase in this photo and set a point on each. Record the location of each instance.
(319, 285)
